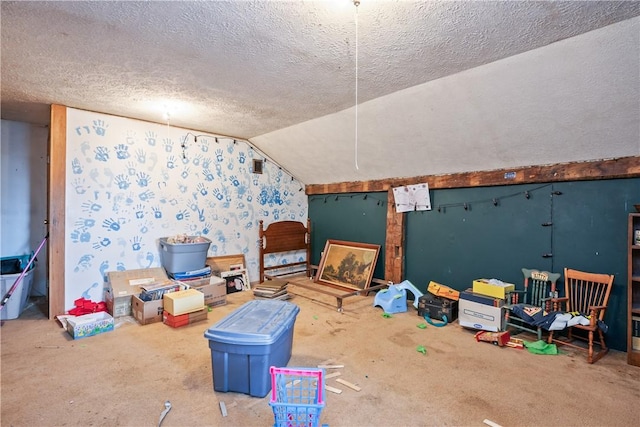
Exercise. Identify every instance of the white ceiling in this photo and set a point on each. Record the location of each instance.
(443, 86)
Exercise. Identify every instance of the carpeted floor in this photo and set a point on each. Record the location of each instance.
(124, 377)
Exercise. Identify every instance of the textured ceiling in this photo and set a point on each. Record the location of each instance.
(282, 73)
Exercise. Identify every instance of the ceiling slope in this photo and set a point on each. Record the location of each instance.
(442, 85)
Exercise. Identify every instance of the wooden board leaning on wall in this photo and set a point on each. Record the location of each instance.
(224, 263)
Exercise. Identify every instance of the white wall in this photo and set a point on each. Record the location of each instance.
(24, 195)
(128, 184)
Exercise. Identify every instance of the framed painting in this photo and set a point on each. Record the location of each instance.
(348, 265)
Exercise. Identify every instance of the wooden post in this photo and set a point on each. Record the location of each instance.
(394, 245)
(57, 179)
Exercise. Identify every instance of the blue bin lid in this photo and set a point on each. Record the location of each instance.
(259, 322)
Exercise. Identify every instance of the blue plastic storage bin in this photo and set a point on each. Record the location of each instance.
(247, 342)
(12, 268)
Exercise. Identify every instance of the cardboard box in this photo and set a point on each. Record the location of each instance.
(121, 285)
(89, 325)
(481, 298)
(184, 319)
(215, 291)
(482, 286)
(183, 302)
(146, 312)
(480, 312)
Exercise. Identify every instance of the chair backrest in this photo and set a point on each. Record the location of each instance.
(539, 285)
(585, 290)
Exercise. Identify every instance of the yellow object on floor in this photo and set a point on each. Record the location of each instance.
(443, 291)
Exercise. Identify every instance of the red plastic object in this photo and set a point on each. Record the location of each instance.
(85, 306)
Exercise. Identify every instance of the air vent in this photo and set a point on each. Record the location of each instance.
(257, 166)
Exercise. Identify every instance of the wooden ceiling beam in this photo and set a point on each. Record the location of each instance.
(622, 167)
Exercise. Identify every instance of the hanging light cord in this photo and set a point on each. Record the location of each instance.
(356, 3)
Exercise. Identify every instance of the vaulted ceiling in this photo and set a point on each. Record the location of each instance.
(442, 86)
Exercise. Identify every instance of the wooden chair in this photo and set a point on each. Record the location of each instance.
(588, 295)
(539, 288)
(282, 237)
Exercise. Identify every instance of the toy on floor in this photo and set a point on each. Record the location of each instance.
(496, 338)
(394, 298)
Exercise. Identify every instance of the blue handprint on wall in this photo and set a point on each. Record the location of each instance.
(168, 145)
(143, 179)
(85, 222)
(101, 154)
(102, 243)
(218, 194)
(171, 162)
(122, 152)
(182, 215)
(208, 176)
(146, 195)
(151, 138)
(131, 169)
(207, 228)
(90, 207)
(139, 211)
(76, 167)
(141, 156)
(196, 160)
(135, 243)
(185, 173)
(80, 236)
(202, 189)
(100, 127)
(157, 213)
(111, 224)
(122, 181)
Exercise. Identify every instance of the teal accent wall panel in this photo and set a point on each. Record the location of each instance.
(349, 217)
(587, 231)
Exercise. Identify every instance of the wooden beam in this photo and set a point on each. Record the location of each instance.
(56, 201)
(394, 243)
(622, 167)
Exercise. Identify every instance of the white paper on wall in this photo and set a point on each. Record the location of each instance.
(412, 198)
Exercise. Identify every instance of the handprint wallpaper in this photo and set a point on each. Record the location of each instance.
(130, 182)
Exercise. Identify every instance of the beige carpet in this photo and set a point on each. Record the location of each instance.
(123, 378)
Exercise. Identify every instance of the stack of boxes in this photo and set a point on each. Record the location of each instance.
(439, 303)
(143, 293)
(482, 307)
(183, 307)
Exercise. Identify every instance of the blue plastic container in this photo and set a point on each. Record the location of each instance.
(247, 342)
(12, 268)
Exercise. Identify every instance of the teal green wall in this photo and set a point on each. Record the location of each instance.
(350, 217)
(455, 246)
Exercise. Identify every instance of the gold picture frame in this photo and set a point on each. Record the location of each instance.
(347, 265)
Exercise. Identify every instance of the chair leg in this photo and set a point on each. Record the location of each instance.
(590, 350)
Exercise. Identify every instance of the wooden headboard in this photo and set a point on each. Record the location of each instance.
(285, 236)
